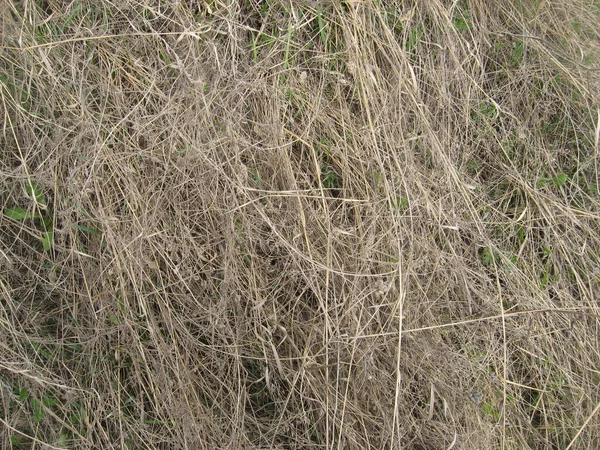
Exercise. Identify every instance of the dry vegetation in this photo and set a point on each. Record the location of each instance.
(244, 224)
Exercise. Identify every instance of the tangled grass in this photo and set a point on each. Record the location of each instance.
(243, 224)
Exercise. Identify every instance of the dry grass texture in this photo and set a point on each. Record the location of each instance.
(299, 224)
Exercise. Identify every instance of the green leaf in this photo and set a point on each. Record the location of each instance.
(517, 54)
(34, 191)
(560, 180)
(414, 37)
(62, 439)
(164, 57)
(75, 418)
(488, 408)
(47, 223)
(17, 441)
(75, 348)
(114, 320)
(23, 393)
(473, 165)
(49, 401)
(330, 180)
(87, 229)
(488, 256)
(541, 183)
(521, 234)
(461, 24)
(47, 239)
(487, 109)
(256, 178)
(321, 24)
(19, 214)
(41, 350)
(401, 203)
(38, 411)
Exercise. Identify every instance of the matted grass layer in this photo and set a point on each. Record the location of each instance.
(299, 224)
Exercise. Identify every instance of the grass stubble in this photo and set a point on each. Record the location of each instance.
(299, 224)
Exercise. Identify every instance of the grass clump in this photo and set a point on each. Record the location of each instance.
(297, 224)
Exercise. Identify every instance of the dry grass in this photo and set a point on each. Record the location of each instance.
(299, 224)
